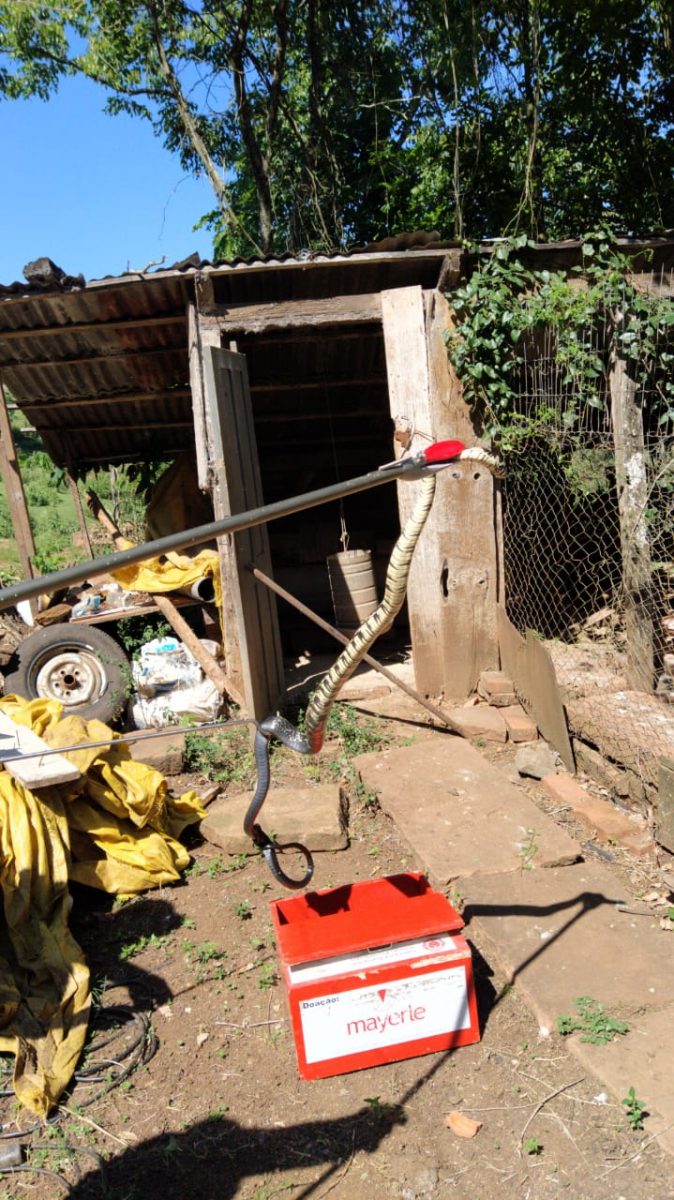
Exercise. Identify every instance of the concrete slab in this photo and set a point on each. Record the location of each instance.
(315, 816)
(557, 934)
(459, 813)
(165, 753)
(642, 1060)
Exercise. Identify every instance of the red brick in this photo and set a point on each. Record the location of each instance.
(479, 721)
(601, 817)
(520, 726)
(501, 699)
(494, 681)
(564, 789)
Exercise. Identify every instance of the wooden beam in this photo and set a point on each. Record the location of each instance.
(452, 587)
(298, 314)
(253, 657)
(10, 335)
(16, 496)
(323, 384)
(467, 515)
(633, 496)
(113, 398)
(79, 509)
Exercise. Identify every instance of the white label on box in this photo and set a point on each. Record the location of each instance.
(352, 964)
(403, 1010)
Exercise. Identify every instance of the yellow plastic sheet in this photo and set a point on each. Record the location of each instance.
(171, 573)
(115, 828)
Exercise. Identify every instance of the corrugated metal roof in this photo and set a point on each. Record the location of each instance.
(101, 368)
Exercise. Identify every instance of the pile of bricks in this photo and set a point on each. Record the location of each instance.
(496, 715)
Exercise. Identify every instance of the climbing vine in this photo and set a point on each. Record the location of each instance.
(506, 305)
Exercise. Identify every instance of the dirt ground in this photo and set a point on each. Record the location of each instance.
(204, 1097)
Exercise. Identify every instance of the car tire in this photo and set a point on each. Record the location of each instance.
(85, 669)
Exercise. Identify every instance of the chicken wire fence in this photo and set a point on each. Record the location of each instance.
(567, 551)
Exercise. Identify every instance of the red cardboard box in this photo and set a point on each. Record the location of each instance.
(374, 972)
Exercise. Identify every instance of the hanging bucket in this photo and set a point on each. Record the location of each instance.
(353, 587)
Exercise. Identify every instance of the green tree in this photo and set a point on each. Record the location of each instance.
(321, 124)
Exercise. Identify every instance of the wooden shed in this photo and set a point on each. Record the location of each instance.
(279, 376)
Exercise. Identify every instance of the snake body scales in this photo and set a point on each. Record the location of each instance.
(323, 698)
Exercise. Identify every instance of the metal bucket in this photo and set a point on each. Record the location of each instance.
(353, 587)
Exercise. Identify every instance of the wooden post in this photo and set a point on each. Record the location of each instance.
(252, 642)
(632, 487)
(79, 510)
(453, 580)
(16, 496)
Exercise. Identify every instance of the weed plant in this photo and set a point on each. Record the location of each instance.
(593, 1023)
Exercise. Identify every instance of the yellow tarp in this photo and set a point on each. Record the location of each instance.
(116, 828)
(170, 573)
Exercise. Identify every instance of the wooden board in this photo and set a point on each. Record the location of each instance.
(298, 314)
(529, 664)
(453, 581)
(16, 496)
(251, 638)
(33, 773)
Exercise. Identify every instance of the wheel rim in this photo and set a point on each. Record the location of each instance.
(74, 677)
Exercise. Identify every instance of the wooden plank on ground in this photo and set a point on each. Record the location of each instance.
(38, 772)
(529, 664)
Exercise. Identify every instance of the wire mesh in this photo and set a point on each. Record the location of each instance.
(571, 543)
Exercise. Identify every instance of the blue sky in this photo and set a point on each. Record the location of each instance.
(92, 192)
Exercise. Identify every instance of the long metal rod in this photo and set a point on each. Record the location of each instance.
(11, 754)
(340, 637)
(187, 538)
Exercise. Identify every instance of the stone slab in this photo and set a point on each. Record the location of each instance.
(480, 720)
(315, 816)
(642, 1060)
(459, 813)
(164, 753)
(558, 934)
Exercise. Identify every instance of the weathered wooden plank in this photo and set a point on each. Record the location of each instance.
(38, 772)
(466, 516)
(252, 642)
(298, 314)
(200, 334)
(528, 663)
(453, 582)
(16, 496)
(409, 399)
(633, 495)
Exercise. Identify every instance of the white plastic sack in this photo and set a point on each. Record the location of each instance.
(202, 701)
(169, 684)
(164, 664)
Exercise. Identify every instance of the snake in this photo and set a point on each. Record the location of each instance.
(310, 741)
